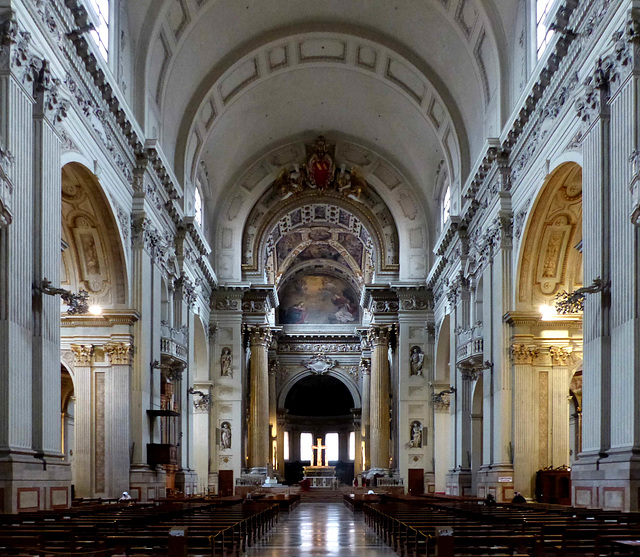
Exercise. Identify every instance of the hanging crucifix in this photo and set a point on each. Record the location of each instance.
(319, 448)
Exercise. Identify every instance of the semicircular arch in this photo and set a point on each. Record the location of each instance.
(337, 373)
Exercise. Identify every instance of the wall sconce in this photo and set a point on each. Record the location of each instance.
(573, 302)
(78, 303)
(437, 398)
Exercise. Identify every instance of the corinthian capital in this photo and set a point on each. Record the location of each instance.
(259, 335)
(119, 353)
(82, 354)
(559, 356)
(379, 335)
(523, 354)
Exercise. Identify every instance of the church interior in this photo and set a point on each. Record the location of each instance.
(256, 250)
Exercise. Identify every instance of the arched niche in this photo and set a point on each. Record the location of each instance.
(201, 350)
(336, 373)
(93, 257)
(443, 351)
(273, 217)
(551, 256)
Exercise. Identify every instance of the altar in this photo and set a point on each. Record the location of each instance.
(320, 476)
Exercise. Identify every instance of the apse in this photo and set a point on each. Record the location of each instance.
(319, 395)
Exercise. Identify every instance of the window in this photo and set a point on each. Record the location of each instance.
(286, 445)
(197, 207)
(332, 441)
(352, 445)
(100, 12)
(306, 442)
(446, 205)
(543, 32)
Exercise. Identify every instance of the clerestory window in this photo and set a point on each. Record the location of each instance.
(197, 206)
(99, 10)
(446, 205)
(544, 13)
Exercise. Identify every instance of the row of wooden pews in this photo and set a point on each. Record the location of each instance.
(448, 528)
(174, 528)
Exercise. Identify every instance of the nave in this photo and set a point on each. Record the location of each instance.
(322, 529)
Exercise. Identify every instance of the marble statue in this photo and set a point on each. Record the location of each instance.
(416, 360)
(416, 435)
(225, 363)
(225, 435)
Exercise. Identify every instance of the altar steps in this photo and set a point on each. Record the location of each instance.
(321, 496)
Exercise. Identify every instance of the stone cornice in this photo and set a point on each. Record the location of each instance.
(108, 318)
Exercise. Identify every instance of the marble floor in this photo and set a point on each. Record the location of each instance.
(320, 529)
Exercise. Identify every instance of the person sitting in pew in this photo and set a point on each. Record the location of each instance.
(518, 498)
(490, 500)
(124, 497)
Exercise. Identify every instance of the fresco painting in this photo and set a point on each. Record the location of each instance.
(352, 245)
(318, 299)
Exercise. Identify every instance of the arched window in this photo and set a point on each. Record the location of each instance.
(197, 206)
(545, 10)
(446, 204)
(99, 10)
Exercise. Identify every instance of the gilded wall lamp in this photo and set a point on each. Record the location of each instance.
(573, 302)
(78, 303)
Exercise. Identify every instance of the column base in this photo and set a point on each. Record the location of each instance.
(459, 482)
(31, 484)
(610, 482)
(369, 474)
(187, 481)
(212, 483)
(146, 484)
(429, 483)
(496, 480)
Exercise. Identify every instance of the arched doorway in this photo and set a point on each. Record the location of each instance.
(547, 345)
(319, 407)
(96, 347)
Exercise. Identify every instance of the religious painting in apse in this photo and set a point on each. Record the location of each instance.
(318, 299)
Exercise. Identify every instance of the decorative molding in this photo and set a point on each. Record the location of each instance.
(120, 353)
(82, 354)
(319, 364)
(522, 354)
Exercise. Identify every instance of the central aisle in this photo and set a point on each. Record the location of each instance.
(323, 529)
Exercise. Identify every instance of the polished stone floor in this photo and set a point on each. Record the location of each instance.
(321, 529)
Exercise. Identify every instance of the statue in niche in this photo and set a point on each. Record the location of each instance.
(416, 360)
(225, 435)
(416, 435)
(225, 363)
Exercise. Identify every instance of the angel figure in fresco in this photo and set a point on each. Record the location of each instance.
(346, 309)
(225, 363)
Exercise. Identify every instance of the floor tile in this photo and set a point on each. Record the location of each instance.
(321, 529)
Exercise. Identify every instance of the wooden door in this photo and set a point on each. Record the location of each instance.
(416, 481)
(225, 483)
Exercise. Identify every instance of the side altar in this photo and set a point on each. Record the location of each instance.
(320, 476)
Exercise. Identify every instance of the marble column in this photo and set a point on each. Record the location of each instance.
(83, 382)
(273, 418)
(357, 429)
(259, 450)
(117, 417)
(379, 397)
(280, 440)
(365, 428)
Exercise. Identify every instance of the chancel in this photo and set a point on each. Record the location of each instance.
(251, 246)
